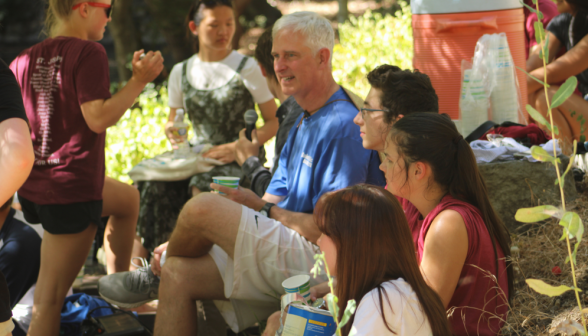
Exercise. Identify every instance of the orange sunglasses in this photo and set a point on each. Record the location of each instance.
(96, 4)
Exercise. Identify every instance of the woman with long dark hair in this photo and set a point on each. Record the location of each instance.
(366, 241)
(568, 30)
(462, 245)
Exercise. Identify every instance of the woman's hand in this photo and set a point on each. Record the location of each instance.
(224, 153)
(319, 290)
(273, 324)
(172, 134)
(155, 266)
(244, 148)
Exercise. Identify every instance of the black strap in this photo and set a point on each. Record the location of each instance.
(480, 131)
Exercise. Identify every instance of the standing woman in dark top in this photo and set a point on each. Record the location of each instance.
(16, 162)
(567, 30)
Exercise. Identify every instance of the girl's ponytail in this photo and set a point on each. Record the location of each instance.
(57, 10)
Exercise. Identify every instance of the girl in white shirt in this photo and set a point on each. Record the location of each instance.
(375, 263)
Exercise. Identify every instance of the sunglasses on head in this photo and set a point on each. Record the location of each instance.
(107, 8)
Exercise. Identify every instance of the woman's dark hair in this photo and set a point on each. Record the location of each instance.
(263, 53)
(195, 14)
(580, 28)
(434, 139)
(403, 91)
(374, 245)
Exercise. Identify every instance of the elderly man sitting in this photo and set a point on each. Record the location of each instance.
(222, 250)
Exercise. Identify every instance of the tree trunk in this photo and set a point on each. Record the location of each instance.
(343, 11)
(126, 37)
(170, 16)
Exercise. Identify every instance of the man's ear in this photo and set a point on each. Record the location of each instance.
(400, 116)
(192, 26)
(263, 72)
(324, 55)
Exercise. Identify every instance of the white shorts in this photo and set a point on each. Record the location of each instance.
(266, 253)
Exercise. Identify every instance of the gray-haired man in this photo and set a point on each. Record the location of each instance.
(224, 250)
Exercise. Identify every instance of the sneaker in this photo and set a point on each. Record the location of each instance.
(130, 289)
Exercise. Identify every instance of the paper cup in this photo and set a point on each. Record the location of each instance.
(298, 284)
(227, 181)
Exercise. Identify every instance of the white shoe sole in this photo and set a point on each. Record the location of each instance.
(125, 305)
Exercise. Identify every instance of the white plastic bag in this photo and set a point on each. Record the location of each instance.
(165, 167)
(493, 69)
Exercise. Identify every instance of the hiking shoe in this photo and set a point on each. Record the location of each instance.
(130, 289)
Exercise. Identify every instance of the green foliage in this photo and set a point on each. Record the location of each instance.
(139, 134)
(546, 289)
(536, 214)
(371, 40)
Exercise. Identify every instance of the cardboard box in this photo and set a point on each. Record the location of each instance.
(308, 321)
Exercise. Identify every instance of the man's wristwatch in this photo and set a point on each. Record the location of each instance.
(265, 210)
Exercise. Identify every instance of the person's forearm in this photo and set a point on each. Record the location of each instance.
(113, 109)
(16, 156)
(300, 222)
(268, 130)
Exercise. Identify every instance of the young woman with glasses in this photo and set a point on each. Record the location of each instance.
(65, 85)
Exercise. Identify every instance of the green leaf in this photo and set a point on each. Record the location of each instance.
(349, 310)
(564, 92)
(538, 117)
(544, 52)
(532, 77)
(541, 154)
(332, 304)
(542, 288)
(536, 214)
(570, 163)
(539, 14)
(539, 32)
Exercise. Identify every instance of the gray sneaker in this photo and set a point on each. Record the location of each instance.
(130, 289)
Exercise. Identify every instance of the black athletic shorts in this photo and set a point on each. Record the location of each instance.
(62, 218)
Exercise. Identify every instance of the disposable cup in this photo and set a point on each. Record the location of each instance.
(227, 181)
(298, 284)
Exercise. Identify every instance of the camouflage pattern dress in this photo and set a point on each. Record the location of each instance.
(217, 118)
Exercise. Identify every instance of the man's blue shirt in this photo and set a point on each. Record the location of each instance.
(323, 154)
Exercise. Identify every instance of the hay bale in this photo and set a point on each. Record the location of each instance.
(520, 184)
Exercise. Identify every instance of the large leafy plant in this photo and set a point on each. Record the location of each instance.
(371, 40)
(572, 225)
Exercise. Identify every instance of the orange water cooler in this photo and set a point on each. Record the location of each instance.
(445, 33)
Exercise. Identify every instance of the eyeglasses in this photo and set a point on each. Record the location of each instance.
(108, 8)
(364, 110)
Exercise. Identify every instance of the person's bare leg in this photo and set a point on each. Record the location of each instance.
(121, 203)
(62, 257)
(205, 220)
(569, 126)
(138, 251)
(183, 281)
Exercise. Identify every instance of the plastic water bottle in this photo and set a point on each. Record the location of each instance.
(181, 131)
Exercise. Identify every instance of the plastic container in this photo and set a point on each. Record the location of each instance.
(181, 130)
(445, 33)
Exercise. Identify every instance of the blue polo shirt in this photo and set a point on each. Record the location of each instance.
(323, 154)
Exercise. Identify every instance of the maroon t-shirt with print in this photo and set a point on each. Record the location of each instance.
(56, 76)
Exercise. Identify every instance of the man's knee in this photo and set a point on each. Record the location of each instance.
(199, 209)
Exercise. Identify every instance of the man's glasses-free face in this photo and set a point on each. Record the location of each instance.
(107, 7)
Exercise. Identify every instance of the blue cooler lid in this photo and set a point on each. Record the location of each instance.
(461, 6)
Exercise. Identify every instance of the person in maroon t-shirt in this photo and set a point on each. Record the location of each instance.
(65, 86)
